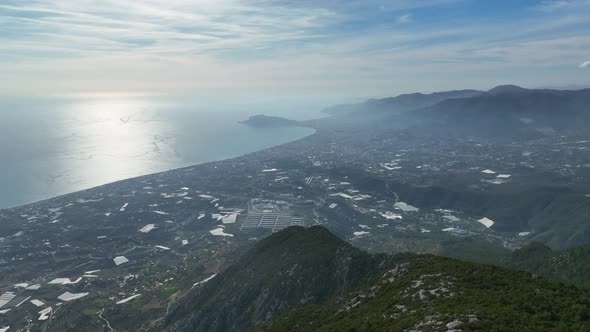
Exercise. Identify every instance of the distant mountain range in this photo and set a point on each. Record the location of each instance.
(309, 280)
(506, 111)
(290, 268)
(401, 103)
(514, 96)
(502, 112)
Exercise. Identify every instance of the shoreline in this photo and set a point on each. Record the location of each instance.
(305, 124)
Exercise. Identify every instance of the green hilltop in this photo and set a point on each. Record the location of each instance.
(308, 279)
(570, 266)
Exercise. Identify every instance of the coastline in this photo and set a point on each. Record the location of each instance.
(301, 124)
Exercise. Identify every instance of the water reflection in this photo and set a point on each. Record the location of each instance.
(55, 146)
(110, 139)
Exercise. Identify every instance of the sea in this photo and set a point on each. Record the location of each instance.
(56, 145)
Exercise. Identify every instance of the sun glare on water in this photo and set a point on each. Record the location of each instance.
(118, 134)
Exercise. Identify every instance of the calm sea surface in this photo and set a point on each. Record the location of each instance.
(53, 146)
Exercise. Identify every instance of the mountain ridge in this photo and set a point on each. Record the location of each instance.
(400, 103)
(380, 292)
(313, 266)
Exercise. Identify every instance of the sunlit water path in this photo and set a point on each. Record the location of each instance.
(53, 146)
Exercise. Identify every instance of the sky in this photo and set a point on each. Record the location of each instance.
(349, 48)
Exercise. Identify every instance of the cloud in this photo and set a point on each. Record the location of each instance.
(551, 5)
(585, 64)
(406, 18)
(562, 5)
(279, 45)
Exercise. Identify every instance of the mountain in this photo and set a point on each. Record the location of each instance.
(505, 112)
(570, 266)
(502, 111)
(288, 269)
(401, 103)
(519, 101)
(307, 279)
(507, 89)
(508, 111)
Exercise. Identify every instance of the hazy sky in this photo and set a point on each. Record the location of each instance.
(361, 48)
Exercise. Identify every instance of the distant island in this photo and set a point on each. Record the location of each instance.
(265, 121)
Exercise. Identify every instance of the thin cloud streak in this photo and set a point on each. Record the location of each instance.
(406, 18)
(183, 46)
